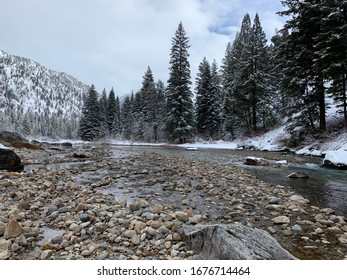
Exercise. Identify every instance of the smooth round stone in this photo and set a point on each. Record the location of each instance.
(57, 239)
(52, 208)
(84, 217)
(296, 228)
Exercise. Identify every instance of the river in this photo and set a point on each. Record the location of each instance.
(325, 188)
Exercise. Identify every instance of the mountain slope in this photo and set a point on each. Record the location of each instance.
(35, 100)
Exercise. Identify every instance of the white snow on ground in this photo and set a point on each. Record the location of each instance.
(270, 141)
(211, 144)
(338, 157)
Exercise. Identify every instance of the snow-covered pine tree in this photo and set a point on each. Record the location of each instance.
(202, 93)
(161, 109)
(305, 73)
(334, 51)
(216, 103)
(90, 121)
(261, 79)
(103, 104)
(113, 114)
(179, 123)
(127, 117)
(150, 98)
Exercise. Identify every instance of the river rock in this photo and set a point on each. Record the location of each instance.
(5, 249)
(296, 175)
(233, 242)
(13, 229)
(335, 159)
(281, 220)
(10, 161)
(256, 161)
(182, 216)
(2, 228)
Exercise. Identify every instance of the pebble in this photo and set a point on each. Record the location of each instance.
(181, 216)
(296, 228)
(281, 220)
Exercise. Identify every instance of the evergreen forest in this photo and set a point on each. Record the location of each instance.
(259, 84)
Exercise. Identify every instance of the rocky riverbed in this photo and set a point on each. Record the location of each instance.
(134, 205)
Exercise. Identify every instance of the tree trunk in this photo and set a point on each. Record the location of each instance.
(344, 98)
(321, 100)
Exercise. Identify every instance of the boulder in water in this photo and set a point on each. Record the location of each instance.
(256, 161)
(233, 242)
(296, 175)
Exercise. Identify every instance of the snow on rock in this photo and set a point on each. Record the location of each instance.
(2, 147)
(336, 159)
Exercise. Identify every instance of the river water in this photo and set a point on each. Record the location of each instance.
(325, 187)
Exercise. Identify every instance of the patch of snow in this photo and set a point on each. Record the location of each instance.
(338, 157)
(2, 147)
(269, 141)
(212, 145)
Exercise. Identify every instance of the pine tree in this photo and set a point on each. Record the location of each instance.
(150, 98)
(202, 91)
(103, 103)
(304, 30)
(90, 121)
(180, 110)
(247, 79)
(127, 118)
(216, 103)
(334, 51)
(112, 114)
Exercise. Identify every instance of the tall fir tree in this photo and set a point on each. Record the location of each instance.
(216, 101)
(247, 79)
(306, 74)
(202, 93)
(113, 114)
(180, 109)
(127, 117)
(150, 99)
(89, 127)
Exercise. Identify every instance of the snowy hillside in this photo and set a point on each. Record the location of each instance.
(29, 93)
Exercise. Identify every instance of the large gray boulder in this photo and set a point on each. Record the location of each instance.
(233, 242)
(10, 161)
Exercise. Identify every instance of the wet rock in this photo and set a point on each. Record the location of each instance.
(84, 217)
(10, 161)
(233, 242)
(57, 239)
(296, 175)
(256, 161)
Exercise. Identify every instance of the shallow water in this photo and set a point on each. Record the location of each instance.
(325, 188)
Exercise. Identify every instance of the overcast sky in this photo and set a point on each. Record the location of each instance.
(110, 43)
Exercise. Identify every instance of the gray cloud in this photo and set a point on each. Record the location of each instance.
(111, 42)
